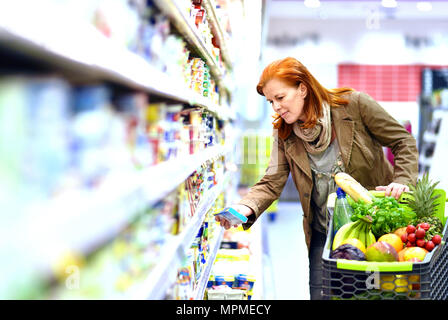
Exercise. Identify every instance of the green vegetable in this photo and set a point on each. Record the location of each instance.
(387, 214)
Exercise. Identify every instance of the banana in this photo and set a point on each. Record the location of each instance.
(370, 238)
(365, 235)
(354, 233)
(359, 229)
(342, 233)
(349, 230)
(362, 234)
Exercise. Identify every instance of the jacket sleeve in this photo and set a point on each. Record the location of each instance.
(390, 133)
(269, 188)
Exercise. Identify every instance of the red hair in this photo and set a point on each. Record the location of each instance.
(293, 72)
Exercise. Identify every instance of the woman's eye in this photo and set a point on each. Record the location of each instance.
(280, 98)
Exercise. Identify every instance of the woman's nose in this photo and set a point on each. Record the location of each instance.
(276, 106)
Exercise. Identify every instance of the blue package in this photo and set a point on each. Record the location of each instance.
(233, 216)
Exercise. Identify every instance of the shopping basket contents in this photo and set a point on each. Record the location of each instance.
(390, 249)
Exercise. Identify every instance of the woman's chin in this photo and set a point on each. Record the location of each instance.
(288, 120)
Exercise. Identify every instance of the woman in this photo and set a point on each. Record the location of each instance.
(317, 133)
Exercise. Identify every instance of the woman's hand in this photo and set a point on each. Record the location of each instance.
(394, 189)
(242, 209)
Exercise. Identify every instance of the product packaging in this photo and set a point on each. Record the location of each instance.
(233, 216)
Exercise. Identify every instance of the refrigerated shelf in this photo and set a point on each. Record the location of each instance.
(212, 15)
(156, 285)
(81, 50)
(82, 220)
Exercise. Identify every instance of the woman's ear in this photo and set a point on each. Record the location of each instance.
(302, 90)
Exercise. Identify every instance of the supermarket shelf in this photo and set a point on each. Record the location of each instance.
(82, 220)
(171, 9)
(170, 174)
(429, 137)
(424, 161)
(210, 7)
(205, 275)
(156, 285)
(84, 51)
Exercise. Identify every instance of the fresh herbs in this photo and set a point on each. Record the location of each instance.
(387, 215)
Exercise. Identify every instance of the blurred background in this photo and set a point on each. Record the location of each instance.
(126, 124)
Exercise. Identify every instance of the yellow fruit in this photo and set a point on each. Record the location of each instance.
(400, 231)
(414, 278)
(397, 283)
(387, 282)
(402, 284)
(393, 240)
(414, 281)
(355, 242)
(401, 254)
(352, 187)
(415, 252)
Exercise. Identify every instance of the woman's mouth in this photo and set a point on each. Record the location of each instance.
(284, 114)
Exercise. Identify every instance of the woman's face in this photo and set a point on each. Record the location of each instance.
(286, 100)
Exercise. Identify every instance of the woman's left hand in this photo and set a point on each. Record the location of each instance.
(394, 189)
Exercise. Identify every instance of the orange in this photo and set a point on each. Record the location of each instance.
(393, 240)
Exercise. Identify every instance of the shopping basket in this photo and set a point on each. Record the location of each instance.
(359, 280)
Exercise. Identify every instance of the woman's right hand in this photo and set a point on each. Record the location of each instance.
(242, 209)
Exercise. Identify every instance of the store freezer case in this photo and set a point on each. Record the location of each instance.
(363, 280)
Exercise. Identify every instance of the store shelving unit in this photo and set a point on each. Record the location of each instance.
(156, 285)
(212, 15)
(70, 48)
(115, 203)
(205, 275)
(172, 9)
(432, 117)
(80, 51)
(437, 163)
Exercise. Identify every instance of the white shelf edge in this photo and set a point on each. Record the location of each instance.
(426, 161)
(210, 7)
(430, 137)
(179, 18)
(157, 283)
(92, 219)
(205, 275)
(121, 65)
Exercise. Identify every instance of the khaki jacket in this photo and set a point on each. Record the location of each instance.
(362, 128)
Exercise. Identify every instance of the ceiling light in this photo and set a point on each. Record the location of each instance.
(312, 3)
(389, 3)
(424, 6)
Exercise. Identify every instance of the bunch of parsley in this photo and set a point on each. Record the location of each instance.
(387, 214)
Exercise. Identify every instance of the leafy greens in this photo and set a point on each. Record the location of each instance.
(387, 215)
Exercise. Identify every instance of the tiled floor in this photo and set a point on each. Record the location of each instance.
(286, 262)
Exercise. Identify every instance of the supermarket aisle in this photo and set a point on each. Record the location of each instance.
(289, 261)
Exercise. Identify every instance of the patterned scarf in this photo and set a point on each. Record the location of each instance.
(317, 138)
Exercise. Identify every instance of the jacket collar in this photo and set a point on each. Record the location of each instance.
(344, 128)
